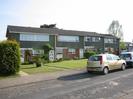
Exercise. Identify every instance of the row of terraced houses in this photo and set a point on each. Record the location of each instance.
(65, 43)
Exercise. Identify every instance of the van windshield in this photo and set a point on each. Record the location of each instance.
(95, 58)
(124, 56)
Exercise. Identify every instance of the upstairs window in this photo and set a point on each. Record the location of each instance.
(34, 37)
(107, 40)
(62, 38)
(96, 39)
(88, 39)
(92, 39)
(115, 40)
(26, 37)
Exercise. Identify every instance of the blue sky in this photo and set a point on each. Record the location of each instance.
(84, 15)
(9, 10)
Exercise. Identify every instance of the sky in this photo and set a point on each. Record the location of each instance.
(83, 15)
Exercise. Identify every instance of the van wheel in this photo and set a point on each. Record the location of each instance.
(105, 71)
(123, 67)
(89, 71)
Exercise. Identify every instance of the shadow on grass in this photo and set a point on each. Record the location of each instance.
(79, 76)
(28, 67)
(57, 67)
(3, 76)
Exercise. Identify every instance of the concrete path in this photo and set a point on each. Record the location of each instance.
(26, 79)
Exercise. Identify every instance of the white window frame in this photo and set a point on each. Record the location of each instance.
(108, 40)
(62, 38)
(72, 50)
(34, 37)
(88, 39)
(96, 39)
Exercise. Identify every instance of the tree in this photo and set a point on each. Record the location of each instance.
(116, 29)
(47, 48)
(122, 46)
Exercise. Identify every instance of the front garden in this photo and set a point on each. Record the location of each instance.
(10, 61)
(54, 66)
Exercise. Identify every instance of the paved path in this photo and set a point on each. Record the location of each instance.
(10, 82)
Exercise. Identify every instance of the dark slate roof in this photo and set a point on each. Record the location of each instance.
(109, 36)
(20, 29)
(51, 31)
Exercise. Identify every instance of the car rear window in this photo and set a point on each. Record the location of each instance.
(95, 58)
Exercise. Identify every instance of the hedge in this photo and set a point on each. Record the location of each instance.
(89, 53)
(9, 57)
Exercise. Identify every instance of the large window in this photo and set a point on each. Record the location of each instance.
(68, 38)
(34, 37)
(92, 39)
(71, 50)
(107, 40)
(38, 51)
(115, 41)
(96, 39)
(88, 39)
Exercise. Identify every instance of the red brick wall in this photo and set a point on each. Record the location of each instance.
(77, 52)
(70, 55)
(65, 52)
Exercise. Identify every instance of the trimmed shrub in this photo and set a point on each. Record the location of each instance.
(37, 60)
(58, 60)
(47, 47)
(89, 53)
(9, 57)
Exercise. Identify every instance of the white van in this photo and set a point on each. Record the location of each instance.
(128, 56)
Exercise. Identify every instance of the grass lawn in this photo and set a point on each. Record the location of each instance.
(53, 67)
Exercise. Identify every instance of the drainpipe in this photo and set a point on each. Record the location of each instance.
(118, 46)
(83, 45)
(103, 44)
(55, 41)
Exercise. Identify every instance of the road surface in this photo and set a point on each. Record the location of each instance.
(115, 85)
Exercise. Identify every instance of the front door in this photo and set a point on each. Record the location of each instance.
(81, 53)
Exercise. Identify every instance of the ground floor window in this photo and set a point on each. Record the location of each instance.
(69, 53)
(38, 52)
(72, 50)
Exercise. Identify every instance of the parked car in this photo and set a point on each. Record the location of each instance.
(128, 56)
(105, 63)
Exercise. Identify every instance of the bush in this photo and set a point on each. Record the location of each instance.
(76, 58)
(9, 57)
(58, 60)
(37, 60)
(27, 63)
(89, 53)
